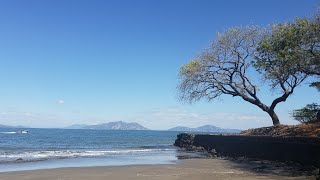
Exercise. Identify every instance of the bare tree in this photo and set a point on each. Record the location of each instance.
(226, 68)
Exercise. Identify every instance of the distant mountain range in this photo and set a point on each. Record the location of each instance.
(118, 125)
(6, 126)
(205, 128)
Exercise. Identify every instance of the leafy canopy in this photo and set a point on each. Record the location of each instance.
(291, 48)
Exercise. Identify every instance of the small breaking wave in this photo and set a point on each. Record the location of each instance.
(162, 147)
(19, 157)
(8, 132)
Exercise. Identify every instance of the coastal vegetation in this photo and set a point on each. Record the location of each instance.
(285, 55)
(309, 113)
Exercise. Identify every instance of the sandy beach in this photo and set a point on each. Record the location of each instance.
(189, 169)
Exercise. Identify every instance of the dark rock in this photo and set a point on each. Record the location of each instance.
(293, 154)
(213, 152)
(185, 140)
(198, 149)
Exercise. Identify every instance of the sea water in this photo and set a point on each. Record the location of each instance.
(54, 148)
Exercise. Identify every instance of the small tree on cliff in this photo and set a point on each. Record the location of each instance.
(226, 68)
(309, 113)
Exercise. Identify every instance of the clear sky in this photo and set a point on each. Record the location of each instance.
(72, 62)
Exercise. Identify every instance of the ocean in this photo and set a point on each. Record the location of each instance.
(55, 148)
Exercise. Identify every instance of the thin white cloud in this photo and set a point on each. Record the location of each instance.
(28, 114)
(60, 101)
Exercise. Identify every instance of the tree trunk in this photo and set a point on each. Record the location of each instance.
(274, 117)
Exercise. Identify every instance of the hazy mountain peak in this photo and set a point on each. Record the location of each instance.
(7, 126)
(116, 125)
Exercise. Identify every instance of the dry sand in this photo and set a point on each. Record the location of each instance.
(189, 169)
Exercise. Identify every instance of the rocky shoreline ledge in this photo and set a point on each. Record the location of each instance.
(299, 154)
(300, 130)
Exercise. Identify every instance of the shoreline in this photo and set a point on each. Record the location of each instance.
(187, 169)
(108, 161)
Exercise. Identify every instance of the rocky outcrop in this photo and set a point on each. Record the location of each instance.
(185, 141)
(304, 150)
(300, 130)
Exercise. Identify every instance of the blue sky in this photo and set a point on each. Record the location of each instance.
(65, 62)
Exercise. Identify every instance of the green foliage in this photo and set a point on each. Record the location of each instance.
(284, 55)
(307, 114)
(316, 85)
(291, 48)
(191, 68)
(291, 51)
(226, 68)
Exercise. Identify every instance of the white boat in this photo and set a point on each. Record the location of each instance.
(22, 131)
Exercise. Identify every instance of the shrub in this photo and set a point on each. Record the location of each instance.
(309, 113)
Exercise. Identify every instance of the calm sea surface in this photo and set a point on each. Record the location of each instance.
(52, 148)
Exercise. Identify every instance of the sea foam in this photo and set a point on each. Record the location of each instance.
(63, 154)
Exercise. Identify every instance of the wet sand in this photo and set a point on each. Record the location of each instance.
(188, 169)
